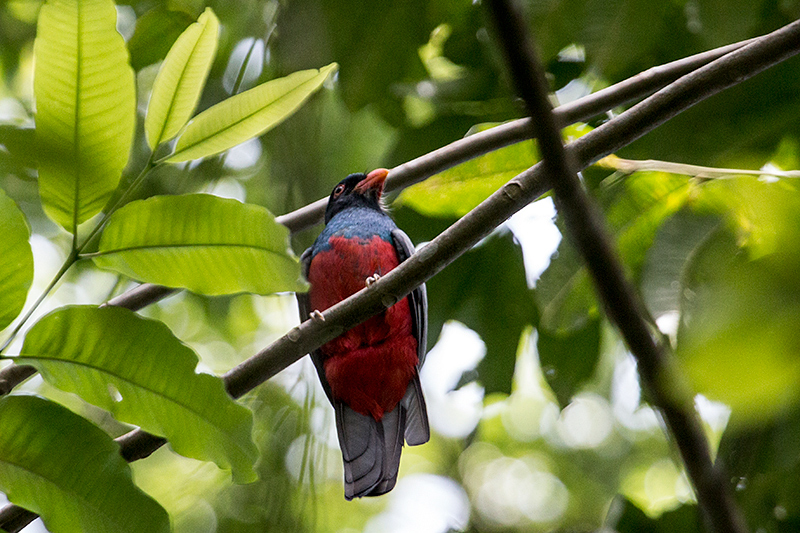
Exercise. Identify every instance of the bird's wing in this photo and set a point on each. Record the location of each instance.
(418, 299)
(417, 429)
(304, 306)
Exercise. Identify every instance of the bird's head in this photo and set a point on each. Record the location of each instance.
(357, 190)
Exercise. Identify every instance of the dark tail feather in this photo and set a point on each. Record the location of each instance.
(371, 450)
(363, 450)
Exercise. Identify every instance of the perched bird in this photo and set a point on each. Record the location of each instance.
(370, 373)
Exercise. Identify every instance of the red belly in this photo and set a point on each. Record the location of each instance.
(370, 366)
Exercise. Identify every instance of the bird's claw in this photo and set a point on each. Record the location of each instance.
(316, 316)
(372, 279)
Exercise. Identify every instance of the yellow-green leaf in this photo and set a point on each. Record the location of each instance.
(248, 114)
(16, 260)
(181, 79)
(85, 107)
(200, 242)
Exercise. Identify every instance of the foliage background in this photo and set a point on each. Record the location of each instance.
(538, 421)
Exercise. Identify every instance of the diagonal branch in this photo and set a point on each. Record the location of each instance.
(587, 229)
(465, 233)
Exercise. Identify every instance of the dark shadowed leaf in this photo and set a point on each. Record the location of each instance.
(486, 290)
(685, 519)
(568, 359)
(154, 35)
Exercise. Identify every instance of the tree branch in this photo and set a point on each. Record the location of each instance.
(457, 152)
(586, 227)
(479, 222)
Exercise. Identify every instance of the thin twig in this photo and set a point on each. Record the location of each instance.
(466, 232)
(629, 166)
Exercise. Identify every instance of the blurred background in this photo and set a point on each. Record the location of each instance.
(538, 420)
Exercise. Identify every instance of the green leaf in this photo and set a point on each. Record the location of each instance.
(685, 518)
(180, 80)
(85, 107)
(16, 260)
(455, 192)
(569, 359)
(155, 33)
(70, 472)
(140, 372)
(248, 114)
(203, 243)
(676, 242)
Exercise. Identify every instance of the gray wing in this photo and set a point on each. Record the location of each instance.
(304, 307)
(417, 429)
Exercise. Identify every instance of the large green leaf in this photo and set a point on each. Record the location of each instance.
(248, 114)
(16, 260)
(139, 371)
(456, 191)
(85, 107)
(70, 472)
(200, 242)
(180, 80)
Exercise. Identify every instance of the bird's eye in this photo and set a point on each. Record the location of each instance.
(338, 190)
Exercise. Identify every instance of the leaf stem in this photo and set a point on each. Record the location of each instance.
(75, 253)
(71, 259)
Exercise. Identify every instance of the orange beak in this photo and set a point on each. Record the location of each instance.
(373, 182)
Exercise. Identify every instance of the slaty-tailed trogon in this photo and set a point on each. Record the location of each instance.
(370, 373)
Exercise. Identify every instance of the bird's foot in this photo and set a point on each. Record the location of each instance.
(316, 316)
(372, 279)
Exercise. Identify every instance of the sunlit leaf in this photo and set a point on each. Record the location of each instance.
(458, 190)
(246, 115)
(16, 260)
(139, 371)
(200, 242)
(70, 472)
(180, 80)
(85, 107)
